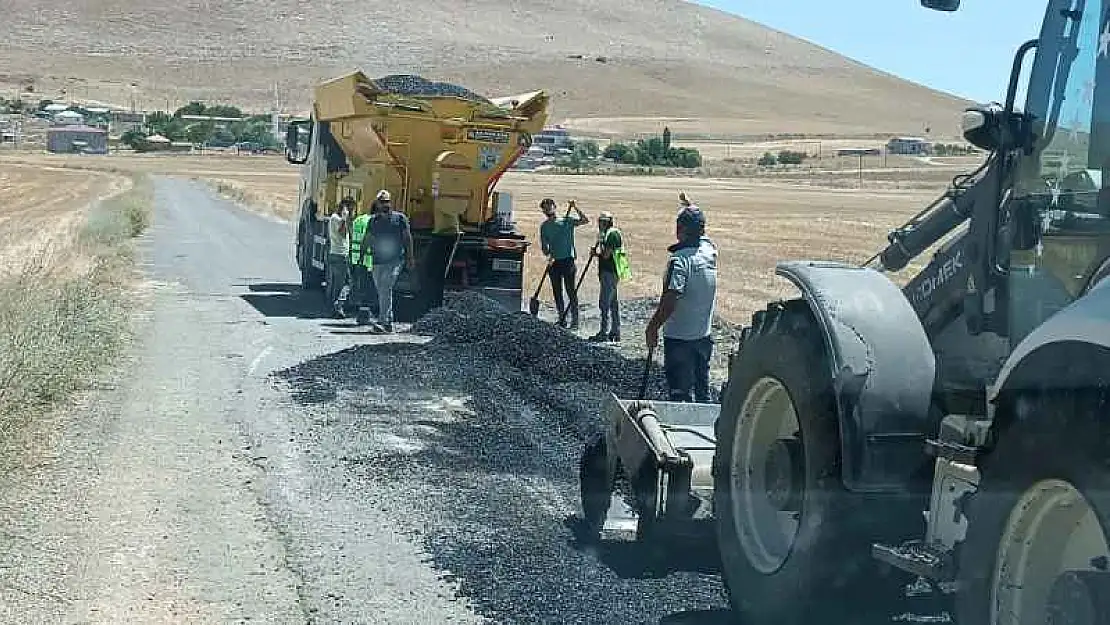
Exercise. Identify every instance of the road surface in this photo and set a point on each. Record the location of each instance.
(252, 461)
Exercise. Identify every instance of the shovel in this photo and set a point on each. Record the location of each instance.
(584, 272)
(534, 303)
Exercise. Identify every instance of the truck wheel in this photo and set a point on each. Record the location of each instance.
(1036, 549)
(791, 546)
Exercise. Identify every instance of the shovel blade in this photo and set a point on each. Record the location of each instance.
(534, 306)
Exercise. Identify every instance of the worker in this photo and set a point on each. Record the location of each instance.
(687, 307)
(338, 253)
(363, 294)
(388, 239)
(557, 243)
(611, 264)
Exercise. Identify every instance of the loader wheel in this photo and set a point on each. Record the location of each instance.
(790, 546)
(595, 484)
(1036, 549)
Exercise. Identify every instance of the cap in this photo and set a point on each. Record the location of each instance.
(605, 216)
(383, 195)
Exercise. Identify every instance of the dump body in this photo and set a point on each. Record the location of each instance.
(439, 150)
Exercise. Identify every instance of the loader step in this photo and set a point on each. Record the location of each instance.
(917, 558)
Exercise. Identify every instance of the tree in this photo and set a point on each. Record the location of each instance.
(686, 157)
(666, 139)
(199, 132)
(222, 110)
(134, 139)
(192, 108)
(618, 152)
(767, 160)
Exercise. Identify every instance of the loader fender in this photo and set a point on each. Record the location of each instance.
(881, 366)
(1070, 351)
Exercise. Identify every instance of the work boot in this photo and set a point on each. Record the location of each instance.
(562, 322)
(614, 337)
(598, 338)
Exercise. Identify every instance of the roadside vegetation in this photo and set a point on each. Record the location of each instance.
(64, 316)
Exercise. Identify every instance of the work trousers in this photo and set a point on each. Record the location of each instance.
(609, 303)
(686, 365)
(364, 297)
(336, 278)
(385, 276)
(562, 274)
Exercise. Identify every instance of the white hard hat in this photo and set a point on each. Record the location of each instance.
(383, 195)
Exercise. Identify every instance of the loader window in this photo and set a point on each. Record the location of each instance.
(1069, 105)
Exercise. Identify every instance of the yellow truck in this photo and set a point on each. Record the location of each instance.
(439, 149)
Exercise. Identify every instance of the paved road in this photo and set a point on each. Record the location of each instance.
(198, 487)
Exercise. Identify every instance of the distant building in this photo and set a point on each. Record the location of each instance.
(69, 118)
(552, 139)
(908, 145)
(77, 140)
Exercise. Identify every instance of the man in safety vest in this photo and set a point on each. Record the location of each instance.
(612, 267)
(363, 294)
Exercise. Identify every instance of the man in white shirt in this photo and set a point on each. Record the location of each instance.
(338, 251)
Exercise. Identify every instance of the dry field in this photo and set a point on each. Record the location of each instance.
(661, 61)
(754, 222)
(43, 211)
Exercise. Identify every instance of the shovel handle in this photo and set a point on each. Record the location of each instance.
(647, 373)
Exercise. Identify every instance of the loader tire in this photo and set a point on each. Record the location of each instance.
(1048, 475)
(813, 567)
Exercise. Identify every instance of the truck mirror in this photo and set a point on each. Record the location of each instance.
(298, 141)
(941, 5)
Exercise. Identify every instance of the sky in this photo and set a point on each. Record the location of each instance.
(967, 53)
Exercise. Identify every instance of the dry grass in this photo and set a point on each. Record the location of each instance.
(64, 312)
(664, 61)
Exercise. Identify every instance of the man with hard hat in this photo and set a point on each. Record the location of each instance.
(389, 240)
(612, 265)
(686, 308)
(557, 243)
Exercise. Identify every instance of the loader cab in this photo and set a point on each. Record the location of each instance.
(1055, 229)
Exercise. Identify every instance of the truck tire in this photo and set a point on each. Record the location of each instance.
(595, 485)
(1043, 502)
(790, 541)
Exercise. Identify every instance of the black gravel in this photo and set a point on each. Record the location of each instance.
(472, 440)
(413, 85)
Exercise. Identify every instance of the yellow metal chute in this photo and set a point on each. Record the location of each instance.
(439, 155)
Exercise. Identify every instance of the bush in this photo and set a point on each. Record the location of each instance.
(789, 157)
(653, 152)
(768, 160)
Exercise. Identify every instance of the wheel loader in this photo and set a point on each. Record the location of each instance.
(952, 432)
(440, 150)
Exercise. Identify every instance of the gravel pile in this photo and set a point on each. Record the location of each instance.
(473, 440)
(413, 85)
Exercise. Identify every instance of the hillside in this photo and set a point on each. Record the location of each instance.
(704, 70)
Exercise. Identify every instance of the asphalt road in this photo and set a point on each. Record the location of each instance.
(256, 461)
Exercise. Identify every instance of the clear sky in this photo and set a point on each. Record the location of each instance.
(967, 53)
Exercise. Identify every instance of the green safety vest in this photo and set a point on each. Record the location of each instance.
(358, 230)
(620, 257)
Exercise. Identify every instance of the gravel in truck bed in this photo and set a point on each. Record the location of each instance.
(472, 440)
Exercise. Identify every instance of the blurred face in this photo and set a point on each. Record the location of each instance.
(384, 206)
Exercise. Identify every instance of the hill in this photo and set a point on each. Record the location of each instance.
(612, 65)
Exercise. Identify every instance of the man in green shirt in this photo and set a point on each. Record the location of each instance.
(557, 243)
(609, 250)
